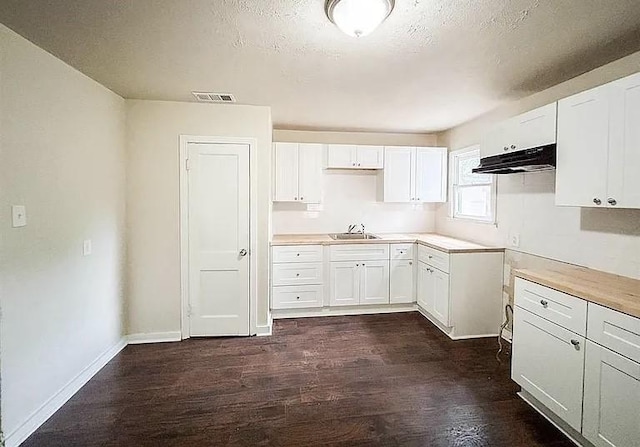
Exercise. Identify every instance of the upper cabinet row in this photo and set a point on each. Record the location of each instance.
(532, 129)
(408, 174)
(599, 146)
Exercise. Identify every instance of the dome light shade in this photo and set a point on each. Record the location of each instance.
(358, 18)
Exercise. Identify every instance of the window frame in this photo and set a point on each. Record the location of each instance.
(454, 186)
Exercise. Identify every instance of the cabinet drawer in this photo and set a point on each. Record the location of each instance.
(402, 251)
(614, 330)
(294, 297)
(436, 258)
(359, 252)
(548, 362)
(297, 253)
(566, 310)
(296, 273)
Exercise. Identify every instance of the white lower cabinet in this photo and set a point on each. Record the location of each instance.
(297, 277)
(296, 297)
(611, 399)
(401, 282)
(354, 283)
(433, 292)
(548, 363)
(583, 380)
(344, 279)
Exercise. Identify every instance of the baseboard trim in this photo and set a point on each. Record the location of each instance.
(154, 337)
(448, 331)
(341, 311)
(46, 410)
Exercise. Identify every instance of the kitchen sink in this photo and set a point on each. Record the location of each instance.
(352, 236)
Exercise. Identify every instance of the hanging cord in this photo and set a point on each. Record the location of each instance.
(507, 319)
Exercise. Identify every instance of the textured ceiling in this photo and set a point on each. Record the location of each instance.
(432, 65)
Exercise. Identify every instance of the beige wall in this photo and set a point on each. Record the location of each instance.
(62, 155)
(153, 213)
(604, 239)
(352, 197)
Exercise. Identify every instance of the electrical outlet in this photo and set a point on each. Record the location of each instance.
(514, 240)
(86, 247)
(18, 216)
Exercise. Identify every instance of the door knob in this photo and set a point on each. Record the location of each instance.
(612, 202)
(597, 201)
(243, 252)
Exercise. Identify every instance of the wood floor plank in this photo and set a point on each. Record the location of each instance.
(370, 380)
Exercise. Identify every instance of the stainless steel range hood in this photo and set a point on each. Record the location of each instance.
(541, 158)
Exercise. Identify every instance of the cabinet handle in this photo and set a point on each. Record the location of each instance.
(358, 164)
(576, 344)
(418, 199)
(597, 201)
(513, 146)
(363, 264)
(295, 198)
(505, 148)
(297, 274)
(410, 262)
(430, 257)
(612, 202)
(357, 265)
(353, 164)
(297, 297)
(544, 303)
(297, 254)
(301, 198)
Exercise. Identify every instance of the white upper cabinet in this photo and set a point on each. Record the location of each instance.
(298, 172)
(531, 129)
(431, 174)
(351, 156)
(624, 146)
(599, 146)
(415, 175)
(399, 174)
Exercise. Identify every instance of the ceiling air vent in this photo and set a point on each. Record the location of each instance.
(214, 97)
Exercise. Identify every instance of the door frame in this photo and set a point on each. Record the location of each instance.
(185, 140)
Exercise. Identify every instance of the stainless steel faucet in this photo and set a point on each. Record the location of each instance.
(352, 228)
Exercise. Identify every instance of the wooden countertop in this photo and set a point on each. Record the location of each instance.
(609, 290)
(436, 241)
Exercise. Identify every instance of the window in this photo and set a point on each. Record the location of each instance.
(473, 196)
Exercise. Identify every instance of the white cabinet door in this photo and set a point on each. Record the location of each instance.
(440, 284)
(425, 296)
(611, 399)
(624, 147)
(341, 156)
(583, 145)
(548, 363)
(534, 128)
(310, 173)
(431, 174)
(374, 282)
(493, 142)
(344, 283)
(370, 157)
(399, 174)
(286, 172)
(401, 283)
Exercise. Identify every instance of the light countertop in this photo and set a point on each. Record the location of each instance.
(437, 241)
(609, 290)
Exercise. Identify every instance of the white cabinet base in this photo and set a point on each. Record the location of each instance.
(341, 311)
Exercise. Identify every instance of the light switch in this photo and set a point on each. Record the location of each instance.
(86, 247)
(19, 216)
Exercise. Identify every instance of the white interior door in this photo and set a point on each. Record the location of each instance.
(218, 179)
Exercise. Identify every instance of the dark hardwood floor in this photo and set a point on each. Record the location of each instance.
(391, 380)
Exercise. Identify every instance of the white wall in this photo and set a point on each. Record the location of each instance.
(62, 155)
(603, 239)
(351, 197)
(153, 213)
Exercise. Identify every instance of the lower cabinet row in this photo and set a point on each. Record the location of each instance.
(581, 361)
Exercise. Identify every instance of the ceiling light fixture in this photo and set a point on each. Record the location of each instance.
(358, 18)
